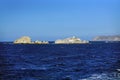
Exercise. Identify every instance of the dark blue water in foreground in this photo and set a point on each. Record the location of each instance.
(94, 61)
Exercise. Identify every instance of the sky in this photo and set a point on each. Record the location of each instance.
(57, 19)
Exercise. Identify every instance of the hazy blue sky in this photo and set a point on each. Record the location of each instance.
(53, 19)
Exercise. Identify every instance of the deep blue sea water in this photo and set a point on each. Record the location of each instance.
(94, 61)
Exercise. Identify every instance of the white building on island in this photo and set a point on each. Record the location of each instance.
(71, 40)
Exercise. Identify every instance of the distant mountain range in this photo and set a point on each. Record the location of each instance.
(107, 38)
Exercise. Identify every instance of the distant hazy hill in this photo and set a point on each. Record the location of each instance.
(107, 38)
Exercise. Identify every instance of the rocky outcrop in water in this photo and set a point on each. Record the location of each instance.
(107, 38)
(24, 40)
(71, 40)
(27, 40)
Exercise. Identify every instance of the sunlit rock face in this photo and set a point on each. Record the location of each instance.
(107, 38)
(24, 40)
(71, 40)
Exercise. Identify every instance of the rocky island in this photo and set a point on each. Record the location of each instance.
(71, 40)
(27, 40)
(107, 38)
(24, 40)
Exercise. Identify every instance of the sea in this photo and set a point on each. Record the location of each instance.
(92, 61)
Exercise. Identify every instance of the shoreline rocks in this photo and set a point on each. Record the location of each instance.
(70, 40)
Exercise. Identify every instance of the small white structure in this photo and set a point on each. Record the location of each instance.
(41, 42)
